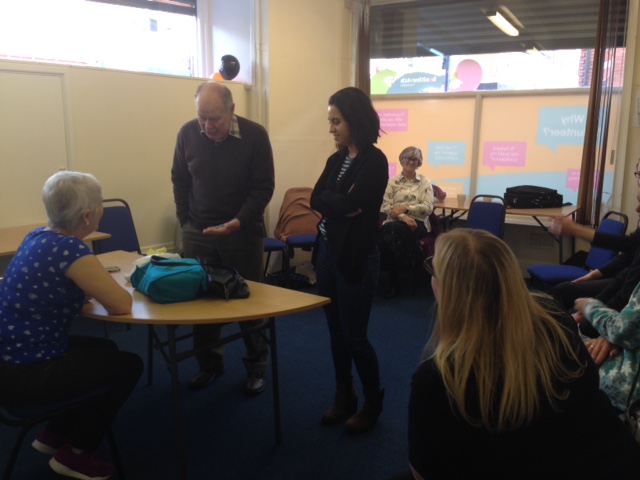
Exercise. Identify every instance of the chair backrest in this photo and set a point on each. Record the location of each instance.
(599, 256)
(296, 215)
(117, 221)
(487, 212)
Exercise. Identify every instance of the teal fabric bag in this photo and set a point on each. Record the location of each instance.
(170, 280)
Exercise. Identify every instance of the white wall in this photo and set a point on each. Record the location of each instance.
(32, 129)
(309, 55)
(121, 127)
(123, 124)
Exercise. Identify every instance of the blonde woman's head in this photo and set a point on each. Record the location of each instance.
(491, 332)
(476, 276)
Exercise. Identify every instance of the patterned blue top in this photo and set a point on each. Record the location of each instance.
(622, 329)
(37, 300)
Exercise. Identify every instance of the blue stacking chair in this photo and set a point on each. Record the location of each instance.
(27, 417)
(487, 215)
(274, 245)
(118, 222)
(305, 242)
(549, 275)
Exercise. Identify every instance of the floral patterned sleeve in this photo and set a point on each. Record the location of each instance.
(620, 328)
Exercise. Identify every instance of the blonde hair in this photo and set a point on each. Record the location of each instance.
(492, 333)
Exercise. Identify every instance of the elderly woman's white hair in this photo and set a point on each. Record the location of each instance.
(67, 195)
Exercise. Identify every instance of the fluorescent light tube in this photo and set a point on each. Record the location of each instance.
(503, 24)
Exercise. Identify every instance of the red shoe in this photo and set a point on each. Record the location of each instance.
(47, 442)
(84, 466)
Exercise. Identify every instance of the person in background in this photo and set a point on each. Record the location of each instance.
(509, 390)
(223, 179)
(45, 286)
(612, 283)
(617, 349)
(407, 204)
(348, 194)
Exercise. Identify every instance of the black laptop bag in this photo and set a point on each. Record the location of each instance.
(530, 196)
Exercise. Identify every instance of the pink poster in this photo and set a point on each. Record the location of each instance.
(573, 179)
(394, 120)
(504, 154)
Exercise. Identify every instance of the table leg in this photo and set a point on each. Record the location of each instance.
(557, 239)
(276, 380)
(448, 219)
(172, 357)
(150, 355)
(177, 403)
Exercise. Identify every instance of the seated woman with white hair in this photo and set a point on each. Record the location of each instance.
(45, 286)
(406, 205)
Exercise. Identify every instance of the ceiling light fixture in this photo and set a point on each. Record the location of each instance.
(503, 24)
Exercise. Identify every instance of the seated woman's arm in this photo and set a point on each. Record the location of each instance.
(423, 206)
(600, 349)
(91, 276)
(620, 328)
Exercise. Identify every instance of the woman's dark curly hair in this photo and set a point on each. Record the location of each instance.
(357, 110)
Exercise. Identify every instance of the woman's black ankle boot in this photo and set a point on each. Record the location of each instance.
(366, 418)
(345, 403)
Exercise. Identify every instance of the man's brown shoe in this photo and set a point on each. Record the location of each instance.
(204, 378)
(255, 384)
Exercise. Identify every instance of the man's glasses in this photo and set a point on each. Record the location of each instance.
(428, 266)
(636, 174)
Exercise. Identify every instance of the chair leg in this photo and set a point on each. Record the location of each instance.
(266, 264)
(14, 453)
(116, 455)
(149, 355)
(286, 267)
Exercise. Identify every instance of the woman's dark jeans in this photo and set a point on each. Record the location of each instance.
(348, 317)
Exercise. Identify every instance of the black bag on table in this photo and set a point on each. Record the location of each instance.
(530, 196)
(224, 281)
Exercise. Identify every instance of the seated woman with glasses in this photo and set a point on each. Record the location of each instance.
(508, 389)
(406, 206)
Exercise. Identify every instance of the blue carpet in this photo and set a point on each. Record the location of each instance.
(231, 436)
